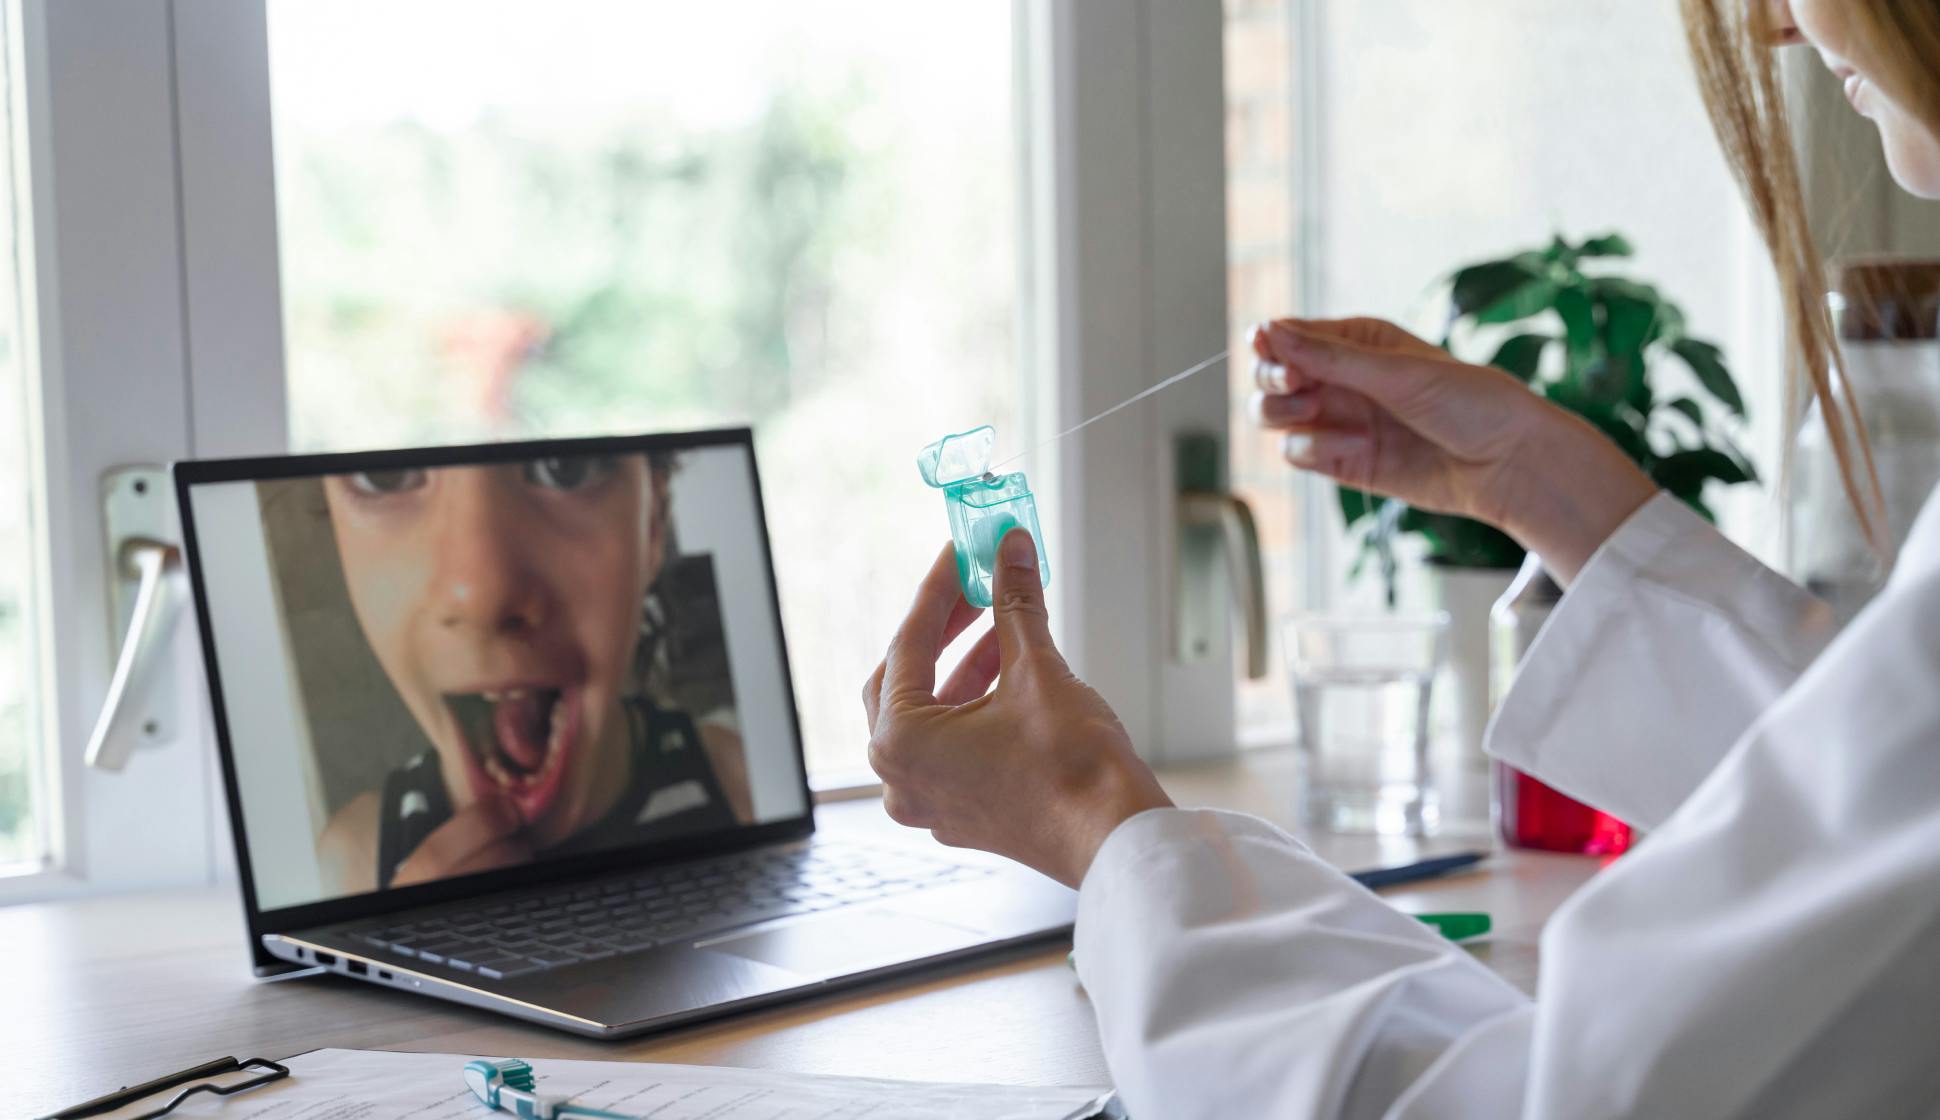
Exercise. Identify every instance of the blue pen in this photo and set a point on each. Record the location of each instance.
(510, 1084)
(1414, 872)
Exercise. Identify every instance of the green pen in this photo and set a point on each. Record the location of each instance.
(1458, 927)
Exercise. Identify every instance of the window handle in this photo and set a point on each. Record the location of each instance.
(1232, 519)
(1216, 531)
(147, 589)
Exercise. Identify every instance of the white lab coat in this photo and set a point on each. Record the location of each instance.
(1771, 950)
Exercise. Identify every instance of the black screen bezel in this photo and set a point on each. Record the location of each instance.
(191, 473)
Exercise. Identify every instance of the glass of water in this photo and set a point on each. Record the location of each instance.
(1361, 686)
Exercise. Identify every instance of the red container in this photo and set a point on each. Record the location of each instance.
(1532, 815)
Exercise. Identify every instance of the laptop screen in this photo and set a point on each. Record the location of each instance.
(430, 671)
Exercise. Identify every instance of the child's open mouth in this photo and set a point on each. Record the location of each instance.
(520, 738)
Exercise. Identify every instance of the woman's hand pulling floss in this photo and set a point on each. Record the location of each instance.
(1039, 769)
(1373, 407)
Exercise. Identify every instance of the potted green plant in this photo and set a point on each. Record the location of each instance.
(1593, 342)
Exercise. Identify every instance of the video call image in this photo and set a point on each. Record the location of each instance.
(500, 663)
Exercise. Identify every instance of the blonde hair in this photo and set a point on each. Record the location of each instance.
(1731, 43)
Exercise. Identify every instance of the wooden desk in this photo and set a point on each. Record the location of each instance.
(101, 993)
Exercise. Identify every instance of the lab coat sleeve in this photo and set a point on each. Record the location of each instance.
(1670, 642)
(1773, 950)
(1236, 974)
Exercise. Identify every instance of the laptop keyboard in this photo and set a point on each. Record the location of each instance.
(522, 934)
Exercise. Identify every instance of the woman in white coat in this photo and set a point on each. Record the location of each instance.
(1772, 949)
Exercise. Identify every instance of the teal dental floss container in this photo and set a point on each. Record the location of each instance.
(982, 507)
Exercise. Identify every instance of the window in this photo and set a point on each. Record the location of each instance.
(503, 219)
(290, 226)
(22, 824)
(1369, 153)
(1441, 144)
(1261, 161)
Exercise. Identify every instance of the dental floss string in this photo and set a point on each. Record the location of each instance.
(1128, 402)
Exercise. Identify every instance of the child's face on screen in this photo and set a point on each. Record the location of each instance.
(504, 602)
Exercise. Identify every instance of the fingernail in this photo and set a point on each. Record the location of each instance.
(1298, 447)
(1275, 408)
(1287, 338)
(1296, 406)
(1018, 550)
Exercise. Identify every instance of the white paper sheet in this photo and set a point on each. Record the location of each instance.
(385, 1085)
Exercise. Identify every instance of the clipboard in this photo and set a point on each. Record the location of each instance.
(407, 1083)
(122, 1098)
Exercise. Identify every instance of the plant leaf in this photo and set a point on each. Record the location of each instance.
(1604, 381)
(1532, 298)
(1354, 504)
(1482, 286)
(1459, 542)
(1521, 356)
(1505, 290)
(1618, 287)
(1738, 453)
(1707, 362)
(1579, 328)
(1670, 323)
(1621, 426)
(1609, 245)
(1685, 473)
(1691, 409)
(1628, 326)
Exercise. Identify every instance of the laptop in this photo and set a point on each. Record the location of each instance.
(512, 726)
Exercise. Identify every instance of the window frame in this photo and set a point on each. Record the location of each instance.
(1127, 236)
(150, 233)
(157, 310)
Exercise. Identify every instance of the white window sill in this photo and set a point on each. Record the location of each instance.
(852, 784)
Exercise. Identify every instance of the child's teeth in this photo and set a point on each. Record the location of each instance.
(555, 752)
(498, 772)
(515, 694)
(493, 697)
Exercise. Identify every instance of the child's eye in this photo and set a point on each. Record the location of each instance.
(578, 473)
(385, 482)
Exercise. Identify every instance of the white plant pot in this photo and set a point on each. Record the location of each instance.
(1462, 703)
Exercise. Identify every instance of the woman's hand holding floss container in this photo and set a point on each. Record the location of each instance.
(982, 505)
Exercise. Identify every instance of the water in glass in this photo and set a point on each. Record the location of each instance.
(1361, 689)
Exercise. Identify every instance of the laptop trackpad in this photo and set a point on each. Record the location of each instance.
(843, 943)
